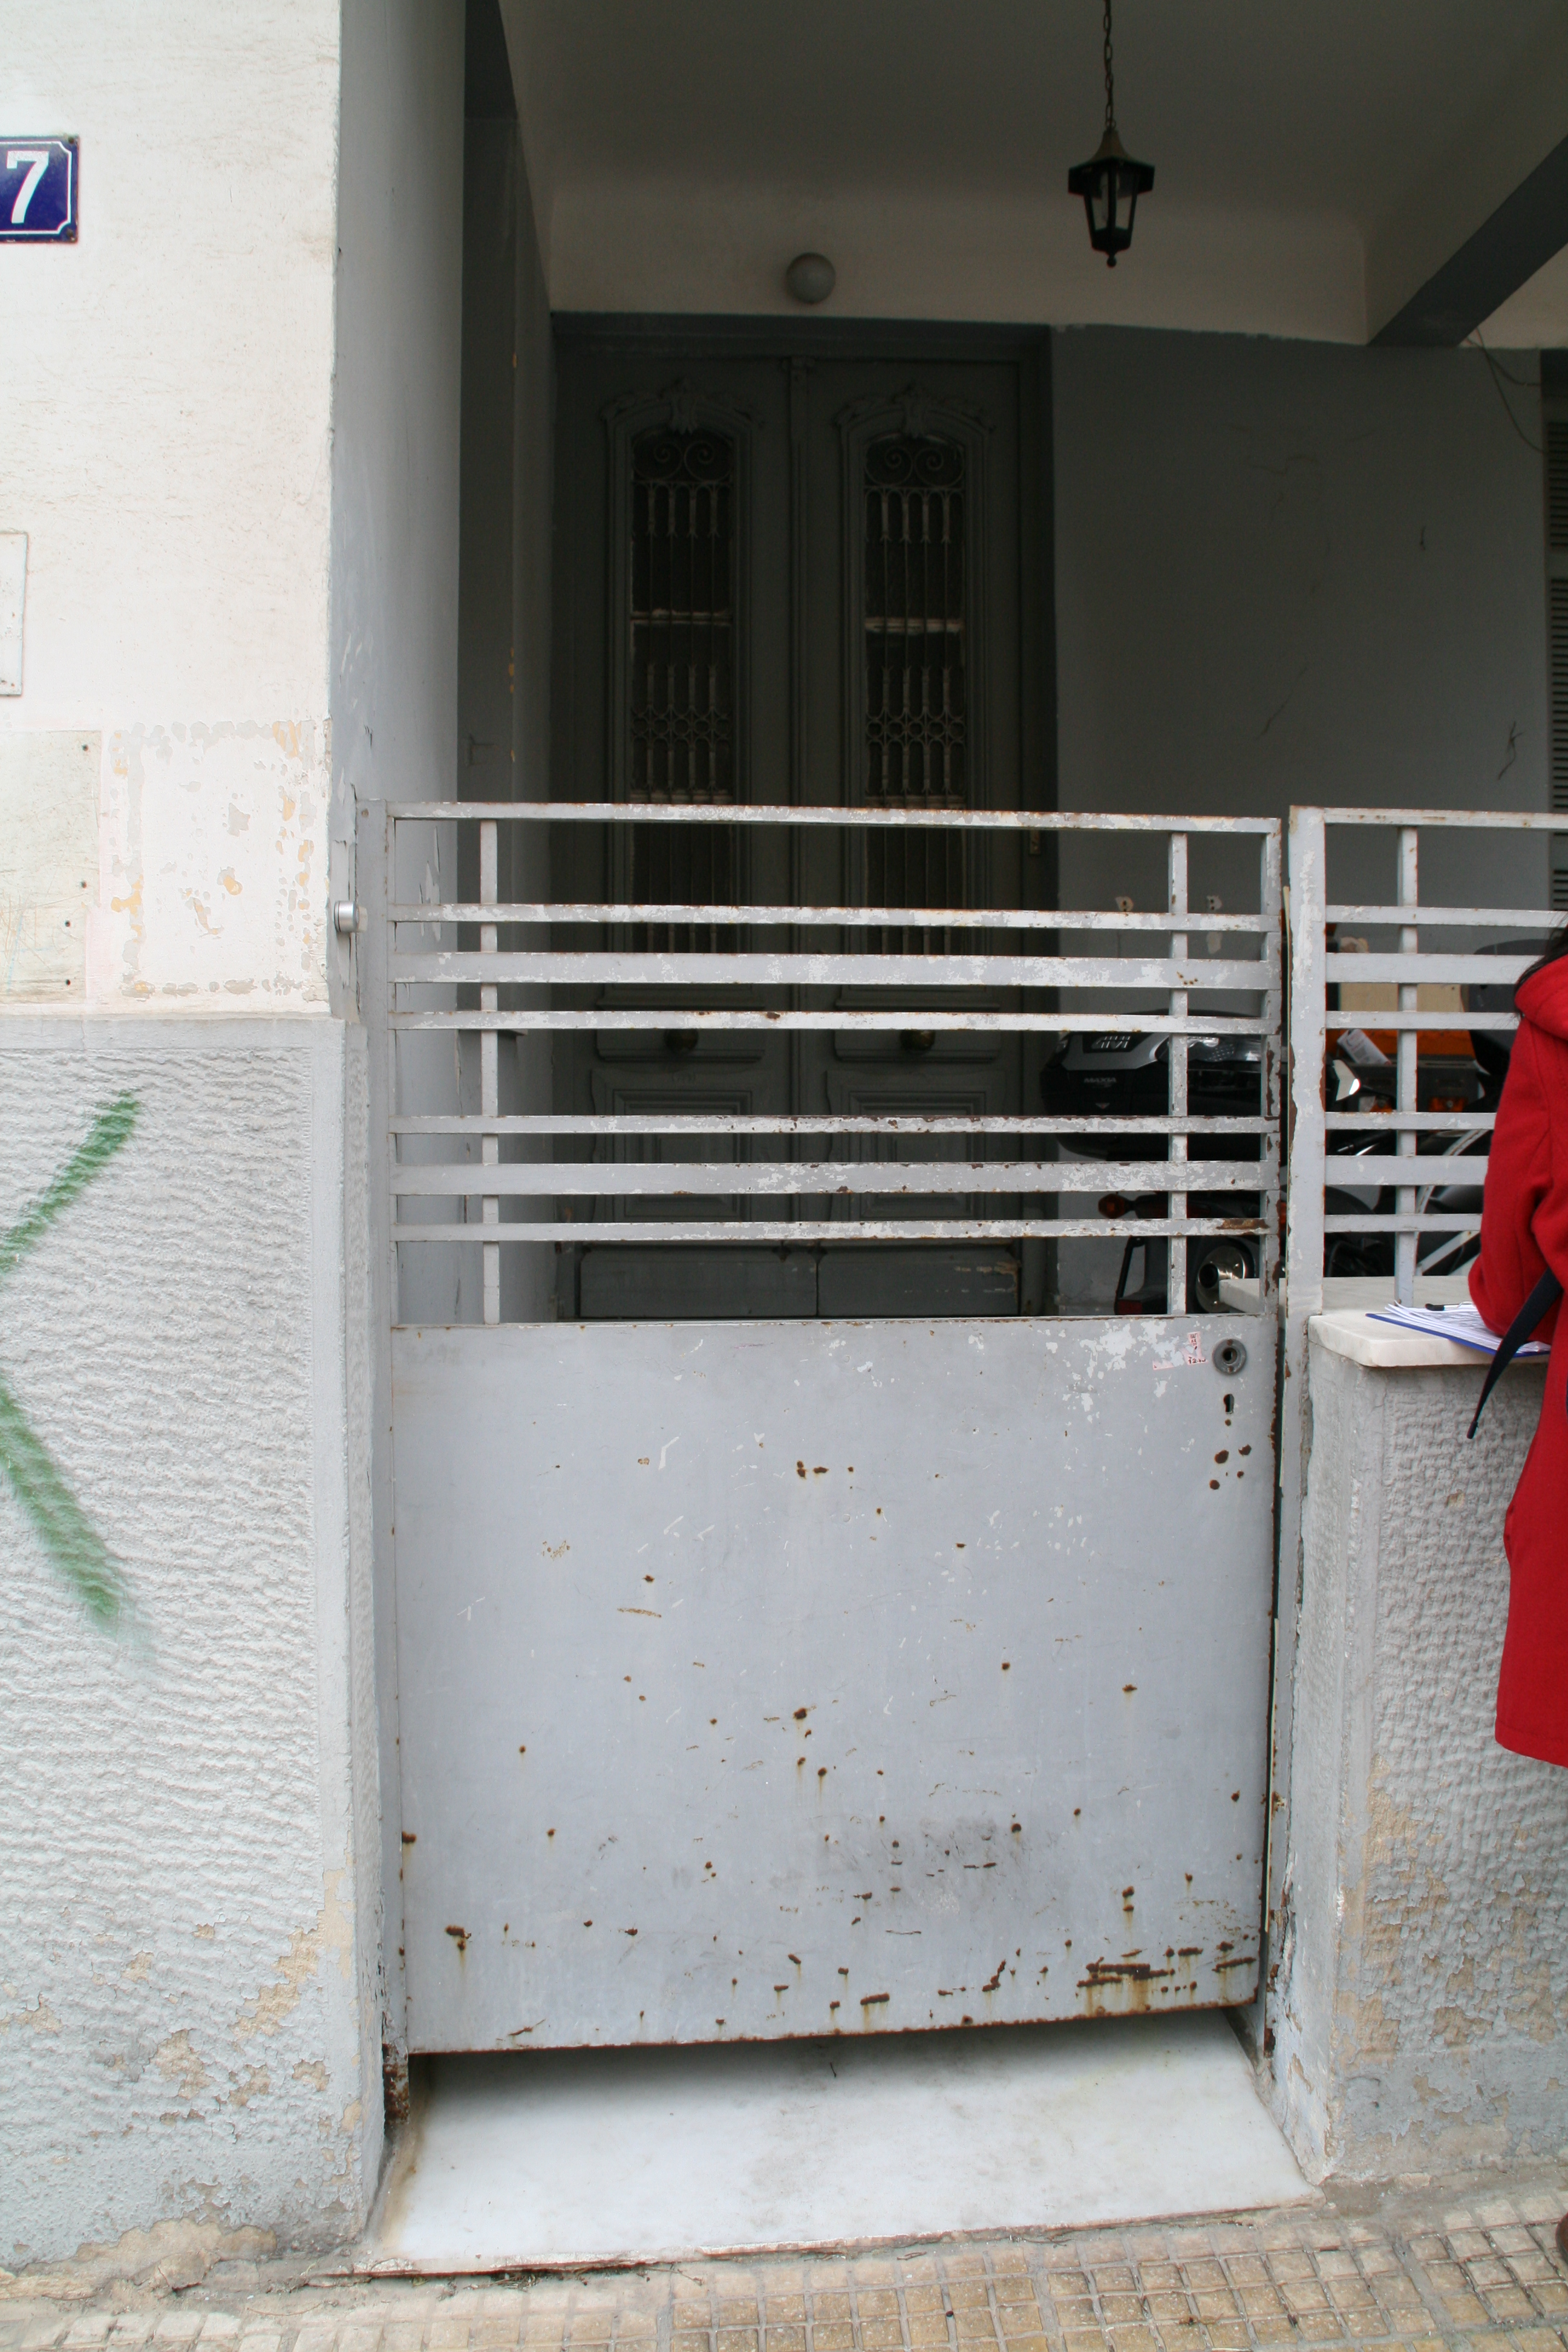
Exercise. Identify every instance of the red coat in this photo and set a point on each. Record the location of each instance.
(1524, 1229)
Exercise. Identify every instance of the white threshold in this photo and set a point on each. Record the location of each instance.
(568, 2159)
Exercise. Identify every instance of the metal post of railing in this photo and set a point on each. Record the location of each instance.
(382, 895)
(1407, 1049)
(1176, 1261)
(490, 1087)
(1271, 1099)
(1305, 897)
(376, 886)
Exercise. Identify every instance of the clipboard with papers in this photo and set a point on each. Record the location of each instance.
(1458, 1323)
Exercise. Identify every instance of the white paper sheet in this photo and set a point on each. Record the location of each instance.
(1459, 1323)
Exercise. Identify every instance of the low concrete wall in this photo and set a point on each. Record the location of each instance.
(1420, 2013)
(189, 2020)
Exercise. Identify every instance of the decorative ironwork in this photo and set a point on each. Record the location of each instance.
(916, 664)
(682, 618)
(682, 666)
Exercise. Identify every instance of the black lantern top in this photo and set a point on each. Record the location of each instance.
(1112, 182)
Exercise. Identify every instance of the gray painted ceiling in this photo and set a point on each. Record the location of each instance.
(1322, 104)
(1365, 117)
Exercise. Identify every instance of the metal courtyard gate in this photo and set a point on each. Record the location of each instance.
(780, 1674)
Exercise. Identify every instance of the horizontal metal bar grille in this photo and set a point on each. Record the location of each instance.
(1438, 820)
(804, 1123)
(1368, 1182)
(1438, 1221)
(925, 818)
(883, 1177)
(1415, 1122)
(1435, 918)
(981, 918)
(473, 977)
(1483, 972)
(937, 1020)
(586, 969)
(867, 1229)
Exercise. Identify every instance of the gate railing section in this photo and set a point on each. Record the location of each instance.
(823, 970)
(1408, 1200)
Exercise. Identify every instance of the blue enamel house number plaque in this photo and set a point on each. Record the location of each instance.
(38, 191)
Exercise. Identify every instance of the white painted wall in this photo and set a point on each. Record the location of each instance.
(167, 451)
(394, 459)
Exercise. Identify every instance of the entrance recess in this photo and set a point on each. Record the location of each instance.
(764, 1677)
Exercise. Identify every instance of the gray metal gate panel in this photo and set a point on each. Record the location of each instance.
(760, 1680)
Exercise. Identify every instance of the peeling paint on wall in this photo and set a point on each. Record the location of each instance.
(332, 1937)
(214, 864)
(168, 2259)
(177, 2061)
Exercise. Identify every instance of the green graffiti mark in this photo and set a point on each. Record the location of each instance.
(76, 1551)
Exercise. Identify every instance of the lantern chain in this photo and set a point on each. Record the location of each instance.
(1110, 75)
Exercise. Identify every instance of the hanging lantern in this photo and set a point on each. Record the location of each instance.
(1112, 182)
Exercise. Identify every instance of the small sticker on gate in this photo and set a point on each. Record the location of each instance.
(1183, 1352)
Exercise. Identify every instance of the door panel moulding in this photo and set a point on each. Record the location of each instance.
(675, 336)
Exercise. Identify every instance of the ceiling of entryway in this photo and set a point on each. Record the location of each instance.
(1318, 165)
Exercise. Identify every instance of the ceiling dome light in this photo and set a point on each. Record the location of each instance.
(811, 278)
(1110, 183)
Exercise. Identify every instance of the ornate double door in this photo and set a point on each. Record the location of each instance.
(807, 580)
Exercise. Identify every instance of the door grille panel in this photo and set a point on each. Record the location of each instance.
(916, 670)
(682, 669)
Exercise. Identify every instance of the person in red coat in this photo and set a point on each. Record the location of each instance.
(1524, 1232)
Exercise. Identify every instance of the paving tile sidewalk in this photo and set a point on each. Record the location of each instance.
(1422, 2273)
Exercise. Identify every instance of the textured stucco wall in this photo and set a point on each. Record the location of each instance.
(189, 2018)
(1421, 2011)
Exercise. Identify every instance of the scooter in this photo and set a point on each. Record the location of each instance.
(1126, 1074)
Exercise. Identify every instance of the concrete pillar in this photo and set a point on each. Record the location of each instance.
(1420, 2010)
(231, 439)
